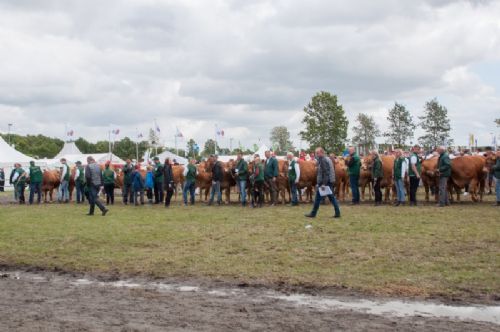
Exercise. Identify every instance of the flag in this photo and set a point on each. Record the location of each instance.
(218, 131)
(70, 133)
(115, 131)
(140, 135)
(178, 133)
(157, 127)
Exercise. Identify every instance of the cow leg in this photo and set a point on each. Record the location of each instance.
(473, 190)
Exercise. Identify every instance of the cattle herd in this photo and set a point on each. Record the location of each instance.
(469, 173)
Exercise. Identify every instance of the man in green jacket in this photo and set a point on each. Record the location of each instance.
(108, 180)
(377, 175)
(258, 186)
(158, 180)
(354, 167)
(19, 181)
(271, 176)
(241, 172)
(80, 182)
(35, 182)
(190, 173)
(444, 171)
(399, 176)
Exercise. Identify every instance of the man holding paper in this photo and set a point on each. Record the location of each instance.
(325, 181)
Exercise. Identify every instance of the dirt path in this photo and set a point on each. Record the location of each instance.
(53, 302)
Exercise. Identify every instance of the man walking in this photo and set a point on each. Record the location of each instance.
(158, 181)
(35, 182)
(271, 175)
(93, 178)
(354, 166)
(325, 179)
(190, 172)
(217, 176)
(63, 194)
(80, 182)
(444, 171)
(414, 174)
(127, 191)
(293, 177)
(377, 175)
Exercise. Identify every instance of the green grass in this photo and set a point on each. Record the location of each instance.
(423, 251)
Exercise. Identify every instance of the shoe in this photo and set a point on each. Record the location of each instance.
(309, 215)
(397, 204)
(104, 212)
(89, 214)
(294, 204)
(336, 216)
(496, 204)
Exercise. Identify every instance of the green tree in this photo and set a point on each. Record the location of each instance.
(84, 146)
(36, 146)
(365, 132)
(280, 138)
(401, 125)
(191, 148)
(326, 123)
(210, 147)
(436, 124)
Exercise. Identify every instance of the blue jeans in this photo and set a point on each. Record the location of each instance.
(216, 188)
(63, 194)
(293, 191)
(354, 180)
(497, 189)
(318, 198)
(80, 191)
(35, 187)
(400, 190)
(188, 186)
(242, 184)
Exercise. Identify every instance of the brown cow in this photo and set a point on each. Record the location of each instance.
(50, 181)
(429, 178)
(469, 170)
(365, 178)
(282, 180)
(341, 177)
(388, 178)
(203, 179)
(307, 178)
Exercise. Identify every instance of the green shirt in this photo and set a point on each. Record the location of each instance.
(377, 170)
(108, 176)
(496, 169)
(355, 166)
(260, 172)
(68, 173)
(444, 165)
(81, 176)
(292, 175)
(191, 173)
(158, 173)
(35, 174)
(21, 180)
(417, 165)
(398, 165)
(242, 168)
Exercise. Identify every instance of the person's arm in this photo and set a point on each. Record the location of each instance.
(185, 171)
(77, 173)
(297, 172)
(15, 176)
(64, 171)
(275, 170)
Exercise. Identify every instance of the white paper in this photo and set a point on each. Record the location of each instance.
(325, 191)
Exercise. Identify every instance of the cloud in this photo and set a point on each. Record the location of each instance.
(246, 66)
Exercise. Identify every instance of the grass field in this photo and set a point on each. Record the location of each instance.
(409, 251)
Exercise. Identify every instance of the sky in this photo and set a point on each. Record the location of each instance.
(246, 66)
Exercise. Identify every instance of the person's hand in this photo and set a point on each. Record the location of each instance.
(213, 182)
(322, 188)
(297, 182)
(274, 179)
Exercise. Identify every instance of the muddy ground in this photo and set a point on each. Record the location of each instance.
(46, 301)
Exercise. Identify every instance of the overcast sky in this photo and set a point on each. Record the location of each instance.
(245, 65)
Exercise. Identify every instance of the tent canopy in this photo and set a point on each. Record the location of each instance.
(9, 155)
(100, 158)
(69, 148)
(167, 154)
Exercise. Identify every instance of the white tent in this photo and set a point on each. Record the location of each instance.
(100, 158)
(167, 154)
(261, 152)
(69, 148)
(9, 155)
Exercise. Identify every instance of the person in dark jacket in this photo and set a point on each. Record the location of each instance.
(108, 178)
(354, 167)
(414, 170)
(325, 180)
(168, 181)
(127, 193)
(93, 176)
(496, 174)
(2, 180)
(158, 180)
(444, 171)
(11, 181)
(217, 176)
(137, 185)
(80, 182)
(271, 176)
(377, 175)
(241, 171)
(258, 182)
(35, 182)
(19, 180)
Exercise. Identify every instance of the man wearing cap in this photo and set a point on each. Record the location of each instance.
(217, 176)
(19, 181)
(127, 193)
(108, 178)
(80, 182)
(293, 177)
(158, 180)
(63, 195)
(93, 179)
(35, 176)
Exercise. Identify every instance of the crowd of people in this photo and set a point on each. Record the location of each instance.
(157, 182)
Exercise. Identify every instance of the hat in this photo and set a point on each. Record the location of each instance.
(32, 162)
(156, 158)
(78, 162)
(107, 163)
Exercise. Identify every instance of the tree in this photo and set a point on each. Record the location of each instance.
(401, 125)
(280, 138)
(192, 148)
(436, 124)
(326, 123)
(210, 147)
(366, 132)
